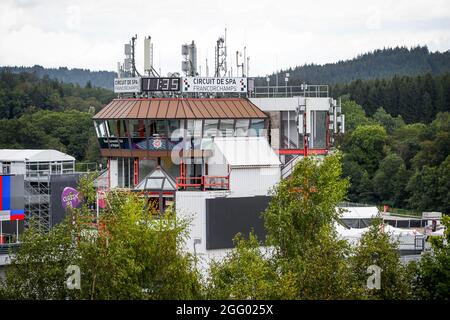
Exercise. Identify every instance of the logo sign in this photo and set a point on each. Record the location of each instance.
(127, 85)
(202, 84)
(70, 198)
(157, 143)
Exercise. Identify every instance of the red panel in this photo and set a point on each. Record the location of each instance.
(302, 152)
(17, 217)
(1, 192)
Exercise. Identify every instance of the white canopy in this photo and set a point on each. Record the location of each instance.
(246, 151)
(359, 212)
(44, 155)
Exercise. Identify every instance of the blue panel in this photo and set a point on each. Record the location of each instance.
(6, 193)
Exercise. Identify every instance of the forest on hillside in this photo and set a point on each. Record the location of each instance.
(415, 98)
(390, 162)
(382, 63)
(102, 79)
(45, 113)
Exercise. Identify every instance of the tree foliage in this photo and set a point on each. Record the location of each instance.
(129, 254)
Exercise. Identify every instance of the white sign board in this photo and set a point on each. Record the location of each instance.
(124, 85)
(203, 84)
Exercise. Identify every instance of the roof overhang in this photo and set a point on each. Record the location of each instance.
(180, 108)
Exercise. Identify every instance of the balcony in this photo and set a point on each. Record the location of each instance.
(203, 183)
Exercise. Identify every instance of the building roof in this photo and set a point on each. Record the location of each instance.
(246, 151)
(33, 155)
(180, 108)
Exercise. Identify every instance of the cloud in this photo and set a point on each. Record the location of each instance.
(91, 34)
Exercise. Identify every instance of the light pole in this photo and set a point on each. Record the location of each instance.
(286, 79)
(268, 87)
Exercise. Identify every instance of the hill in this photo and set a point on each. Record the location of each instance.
(382, 63)
(102, 79)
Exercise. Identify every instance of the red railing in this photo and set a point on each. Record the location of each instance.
(203, 182)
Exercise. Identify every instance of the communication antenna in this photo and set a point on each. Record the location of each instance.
(220, 57)
(239, 54)
(189, 63)
(133, 61)
(148, 56)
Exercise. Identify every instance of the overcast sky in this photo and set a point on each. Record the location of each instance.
(278, 34)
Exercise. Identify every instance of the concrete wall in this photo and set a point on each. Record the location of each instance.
(192, 205)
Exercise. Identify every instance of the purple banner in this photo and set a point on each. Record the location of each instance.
(70, 198)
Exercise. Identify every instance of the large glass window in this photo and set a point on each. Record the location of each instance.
(157, 128)
(176, 129)
(125, 172)
(226, 127)
(211, 128)
(242, 127)
(256, 127)
(289, 130)
(101, 129)
(112, 128)
(194, 128)
(318, 129)
(137, 128)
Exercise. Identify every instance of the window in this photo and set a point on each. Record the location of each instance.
(176, 129)
(211, 128)
(256, 127)
(137, 128)
(161, 128)
(289, 130)
(226, 127)
(242, 127)
(101, 129)
(112, 128)
(318, 129)
(6, 168)
(194, 128)
(68, 167)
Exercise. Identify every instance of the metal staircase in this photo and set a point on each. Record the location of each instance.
(288, 167)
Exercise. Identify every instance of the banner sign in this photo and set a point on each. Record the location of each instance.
(70, 198)
(204, 84)
(127, 85)
(11, 198)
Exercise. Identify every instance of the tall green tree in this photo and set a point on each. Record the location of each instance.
(377, 248)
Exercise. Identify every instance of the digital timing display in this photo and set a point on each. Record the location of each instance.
(161, 84)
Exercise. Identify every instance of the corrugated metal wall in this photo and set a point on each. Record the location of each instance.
(253, 180)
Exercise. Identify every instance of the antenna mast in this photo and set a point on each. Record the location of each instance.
(221, 57)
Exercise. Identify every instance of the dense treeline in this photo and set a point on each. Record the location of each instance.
(390, 162)
(133, 253)
(71, 132)
(43, 113)
(416, 99)
(382, 63)
(21, 91)
(102, 79)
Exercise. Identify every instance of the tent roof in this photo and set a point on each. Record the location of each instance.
(359, 212)
(33, 155)
(247, 151)
(154, 180)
